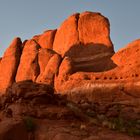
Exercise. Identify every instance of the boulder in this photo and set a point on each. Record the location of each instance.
(29, 68)
(65, 70)
(129, 55)
(85, 38)
(46, 39)
(66, 35)
(29, 90)
(91, 52)
(87, 28)
(66, 67)
(9, 64)
(50, 71)
(44, 56)
(94, 28)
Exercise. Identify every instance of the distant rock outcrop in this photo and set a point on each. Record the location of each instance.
(129, 55)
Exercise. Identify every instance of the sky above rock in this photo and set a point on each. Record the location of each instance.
(26, 18)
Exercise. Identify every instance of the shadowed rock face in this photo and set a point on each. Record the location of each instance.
(36, 113)
(91, 58)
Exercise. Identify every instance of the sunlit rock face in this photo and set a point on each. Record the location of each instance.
(85, 38)
(9, 64)
(46, 39)
(128, 55)
(28, 68)
(87, 28)
(80, 48)
(82, 38)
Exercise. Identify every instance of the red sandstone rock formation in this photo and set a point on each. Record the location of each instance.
(78, 61)
(83, 38)
(87, 62)
(51, 69)
(129, 55)
(44, 56)
(94, 28)
(66, 35)
(28, 68)
(86, 28)
(46, 39)
(9, 64)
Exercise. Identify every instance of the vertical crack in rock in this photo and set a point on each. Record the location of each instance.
(54, 38)
(36, 59)
(28, 68)
(18, 62)
(77, 21)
